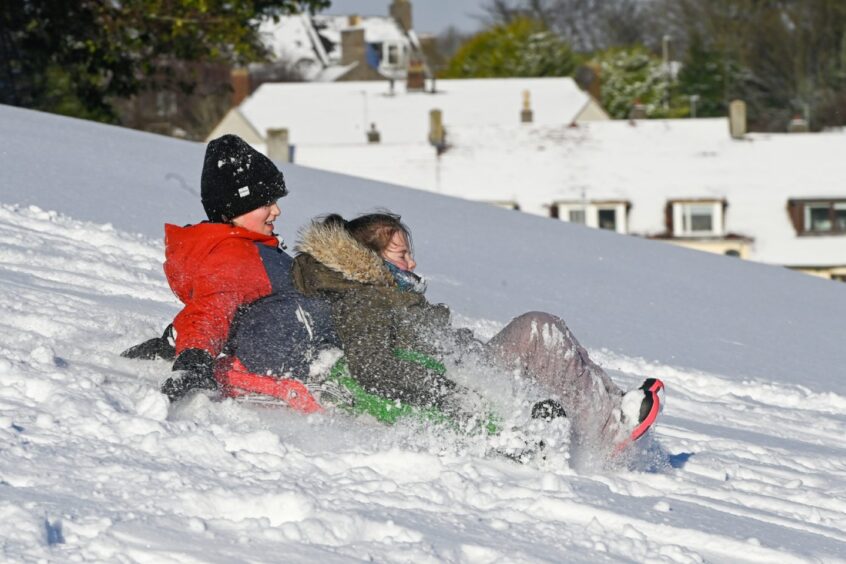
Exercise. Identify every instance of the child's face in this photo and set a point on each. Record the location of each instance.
(398, 253)
(260, 219)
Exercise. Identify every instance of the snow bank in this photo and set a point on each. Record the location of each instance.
(95, 465)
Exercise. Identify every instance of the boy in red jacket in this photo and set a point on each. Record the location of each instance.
(229, 261)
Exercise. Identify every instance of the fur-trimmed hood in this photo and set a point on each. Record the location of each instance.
(336, 250)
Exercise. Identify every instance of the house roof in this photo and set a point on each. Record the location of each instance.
(312, 44)
(341, 113)
(646, 164)
(377, 29)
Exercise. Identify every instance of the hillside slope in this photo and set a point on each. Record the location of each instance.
(631, 296)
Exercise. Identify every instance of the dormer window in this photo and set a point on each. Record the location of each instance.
(818, 217)
(576, 215)
(697, 218)
(610, 215)
(393, 54)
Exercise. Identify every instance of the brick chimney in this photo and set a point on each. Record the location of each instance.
(415, 77)
(353, 47)
(241, 85)
(400, 10)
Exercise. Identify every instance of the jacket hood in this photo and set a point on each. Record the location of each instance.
(335, 249)
(186, 247)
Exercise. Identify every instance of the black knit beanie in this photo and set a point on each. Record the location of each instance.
(237, 179)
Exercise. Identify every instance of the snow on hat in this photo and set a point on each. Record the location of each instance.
(237, 179)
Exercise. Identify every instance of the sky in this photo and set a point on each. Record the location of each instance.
(746, 464)
(430, 16)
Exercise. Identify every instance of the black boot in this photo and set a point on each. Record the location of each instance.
(547, 410)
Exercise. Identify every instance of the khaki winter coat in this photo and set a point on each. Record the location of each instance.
(373, 318)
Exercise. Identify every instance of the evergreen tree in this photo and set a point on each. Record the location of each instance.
(633, 75)
(522, 47)
(72, 57)
(707, 74)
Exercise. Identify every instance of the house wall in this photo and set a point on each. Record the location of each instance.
(162, 107)
(234, 123)
(716, 246)
(592, 112)
(832, 272)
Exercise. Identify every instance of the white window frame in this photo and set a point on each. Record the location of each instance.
(398, 51)
(591, 213)
(829, 206)
(683, 216)
(577, 210)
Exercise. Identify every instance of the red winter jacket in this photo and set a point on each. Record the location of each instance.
(213, 268)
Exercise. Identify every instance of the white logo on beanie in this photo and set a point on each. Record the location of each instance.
(244, 192)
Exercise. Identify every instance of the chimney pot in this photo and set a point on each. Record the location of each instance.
(437, 134)
(278, 148)
(373, 136)
(526, 115)
(737, 119)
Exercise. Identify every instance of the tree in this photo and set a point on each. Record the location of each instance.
(788, 56)
(523, 47)
(587, 25)
(72, 57)
(709, 75)
(633, 75)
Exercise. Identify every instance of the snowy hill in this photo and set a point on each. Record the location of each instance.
(748, 462)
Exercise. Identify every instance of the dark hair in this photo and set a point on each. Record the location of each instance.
(373, 230)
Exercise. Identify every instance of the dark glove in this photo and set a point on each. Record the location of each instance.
(159, 347)
(194, 370)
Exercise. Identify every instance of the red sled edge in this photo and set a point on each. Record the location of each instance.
(236, 381)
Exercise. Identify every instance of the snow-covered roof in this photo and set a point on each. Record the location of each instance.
(341, 113)
(312, 44)
(377, 29)
(646, 164)
(289, 38)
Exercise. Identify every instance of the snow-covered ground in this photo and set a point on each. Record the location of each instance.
(747, 464)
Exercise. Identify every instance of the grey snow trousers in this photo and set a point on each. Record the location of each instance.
(542, 347)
